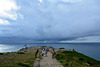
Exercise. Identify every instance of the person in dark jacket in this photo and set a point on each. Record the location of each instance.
(37, 54)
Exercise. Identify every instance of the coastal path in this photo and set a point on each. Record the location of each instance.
(49, 62)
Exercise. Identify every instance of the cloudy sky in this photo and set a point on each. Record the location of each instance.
(51, 19)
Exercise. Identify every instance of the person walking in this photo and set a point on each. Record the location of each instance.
(42, 52)
(53, 52)
(37, 54)
(46, 52)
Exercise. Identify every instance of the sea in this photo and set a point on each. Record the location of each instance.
(89, 49)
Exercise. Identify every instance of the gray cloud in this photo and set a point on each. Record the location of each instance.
(57, 20)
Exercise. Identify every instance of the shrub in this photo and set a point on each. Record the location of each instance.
(20, 53)
(23, 64)
(81, 59)
(1, 54)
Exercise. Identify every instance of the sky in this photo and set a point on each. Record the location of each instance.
(69, 20)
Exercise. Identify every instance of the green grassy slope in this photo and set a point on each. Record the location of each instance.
(75, 59)
(17, 59)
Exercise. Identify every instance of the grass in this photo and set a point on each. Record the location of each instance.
(17, 59)
(75, 59)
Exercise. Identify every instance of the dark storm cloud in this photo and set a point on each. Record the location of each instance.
(57, 19)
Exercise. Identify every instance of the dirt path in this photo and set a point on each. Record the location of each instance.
(49, 62)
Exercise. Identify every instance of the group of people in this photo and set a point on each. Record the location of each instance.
(44, 53)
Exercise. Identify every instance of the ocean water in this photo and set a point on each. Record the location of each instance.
(89, 49)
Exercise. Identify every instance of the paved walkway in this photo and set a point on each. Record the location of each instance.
(49, 62)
